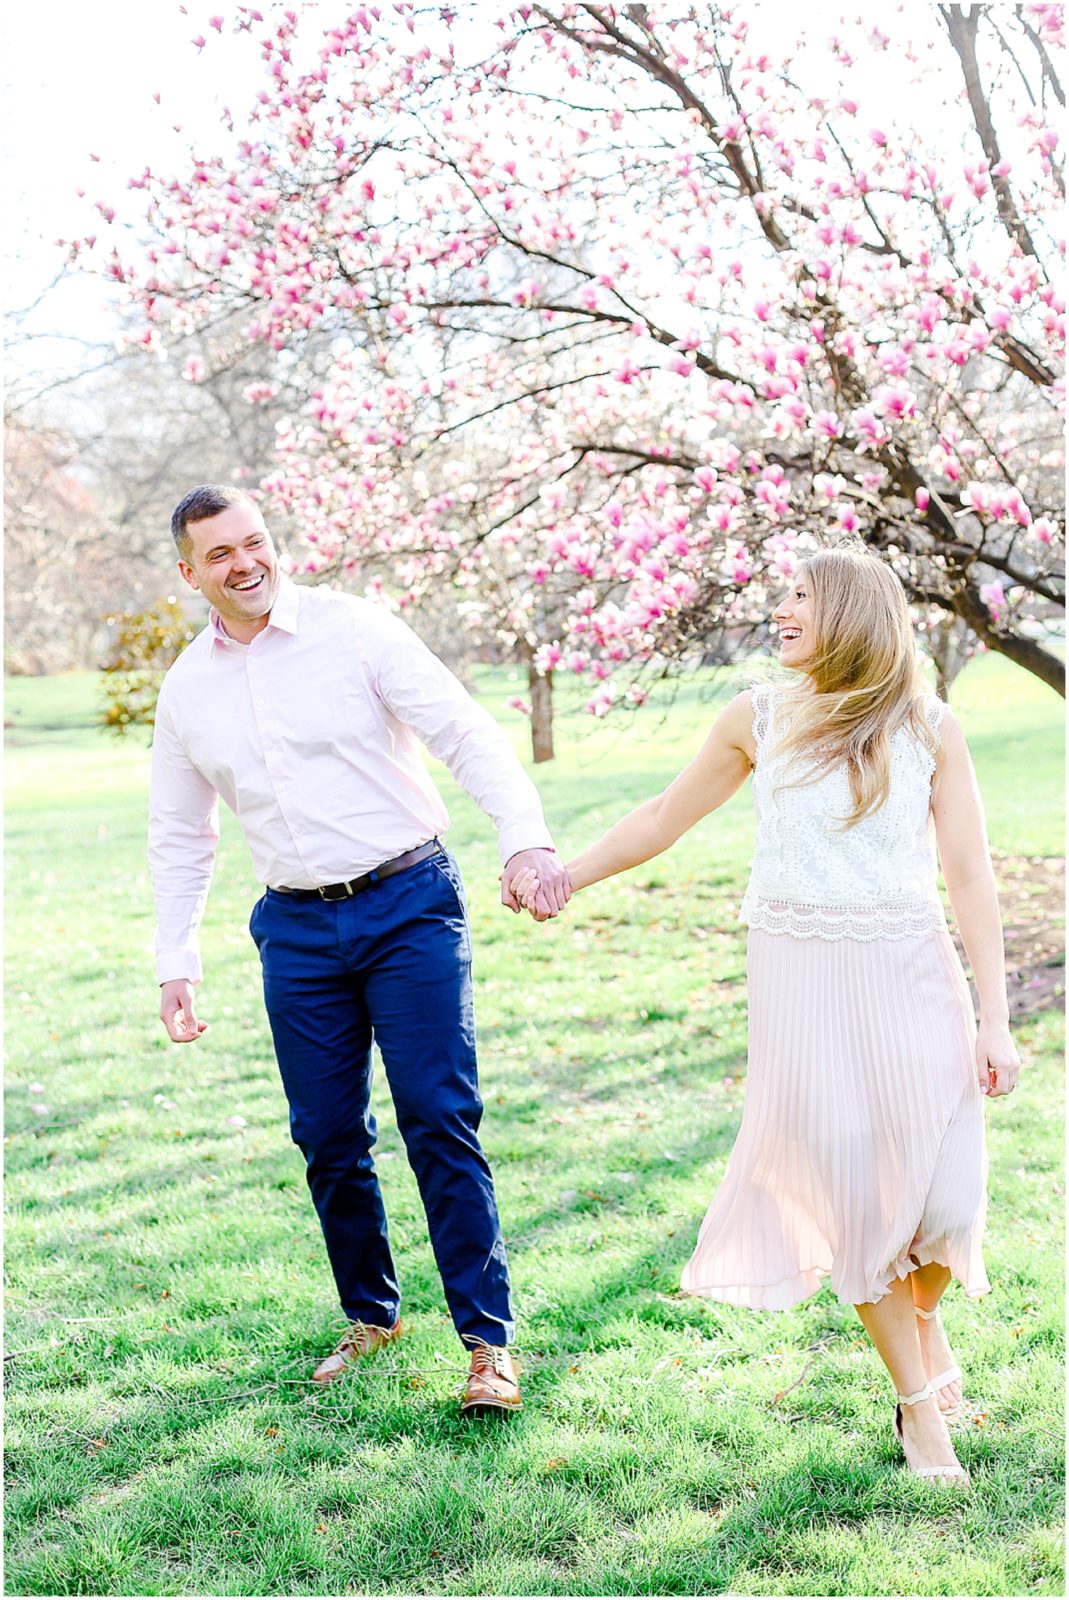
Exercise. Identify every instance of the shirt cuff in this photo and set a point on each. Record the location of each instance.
(524, 835)
(183, 962)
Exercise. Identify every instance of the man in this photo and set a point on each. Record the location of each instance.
(302, 707)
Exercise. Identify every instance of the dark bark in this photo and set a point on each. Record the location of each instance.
(962, 597)
(1045, 61)
(1027, 653)
(962, 31)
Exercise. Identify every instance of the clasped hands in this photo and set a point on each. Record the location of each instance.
(535, 881)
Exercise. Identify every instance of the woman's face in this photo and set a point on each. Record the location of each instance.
(794, 619)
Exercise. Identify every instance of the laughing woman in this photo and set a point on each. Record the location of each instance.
(861, 1154)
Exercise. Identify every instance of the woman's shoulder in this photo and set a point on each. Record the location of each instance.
(753, 710)
(737, 718)
(931, 708)
(931, 725)
(930, 712)
(764, 694)
(946, 728)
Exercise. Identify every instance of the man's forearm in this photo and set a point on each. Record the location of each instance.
(183, 835)
(424, 695)
(179, 910)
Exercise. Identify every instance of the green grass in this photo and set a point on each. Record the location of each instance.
(168, 1290)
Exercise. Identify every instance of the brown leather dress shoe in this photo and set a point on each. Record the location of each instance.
(492, 1384)
(359, 1340)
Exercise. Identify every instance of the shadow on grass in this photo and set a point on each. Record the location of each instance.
(182, 1437)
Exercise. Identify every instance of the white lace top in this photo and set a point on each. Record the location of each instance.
(876, 880)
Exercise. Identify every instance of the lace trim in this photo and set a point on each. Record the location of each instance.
(933, 716)
(904, 920)
(933, 712)
(761, 703)
(761, 719)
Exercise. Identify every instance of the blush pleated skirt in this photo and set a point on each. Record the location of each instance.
(861, 1154)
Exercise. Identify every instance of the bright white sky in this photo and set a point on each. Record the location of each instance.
(78, 78)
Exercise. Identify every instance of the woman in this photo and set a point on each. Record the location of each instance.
(861, 1153)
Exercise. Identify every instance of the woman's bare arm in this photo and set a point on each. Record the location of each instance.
(714, 775)
(961, 835)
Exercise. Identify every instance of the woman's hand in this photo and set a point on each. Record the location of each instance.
(525, 886)
(998, 1065)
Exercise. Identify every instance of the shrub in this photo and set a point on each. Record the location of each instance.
(146, 644)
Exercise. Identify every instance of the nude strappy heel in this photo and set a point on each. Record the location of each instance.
(948, 1474)
(951, 1375)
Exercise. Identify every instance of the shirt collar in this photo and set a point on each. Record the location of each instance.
(283, 613)
(287, 603)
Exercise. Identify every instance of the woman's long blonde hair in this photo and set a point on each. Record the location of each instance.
(862, 681)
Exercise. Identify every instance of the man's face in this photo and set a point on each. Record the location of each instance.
(233, 563)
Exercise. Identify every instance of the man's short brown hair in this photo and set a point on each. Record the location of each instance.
(206, 500)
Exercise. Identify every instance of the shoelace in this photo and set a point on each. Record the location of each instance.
(359, 1337)
(486, 1356)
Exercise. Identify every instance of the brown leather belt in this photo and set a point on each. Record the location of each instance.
(344, 891)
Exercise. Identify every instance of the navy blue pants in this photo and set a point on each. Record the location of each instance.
(392, 964)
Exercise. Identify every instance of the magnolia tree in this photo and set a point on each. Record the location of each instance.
(631, 304)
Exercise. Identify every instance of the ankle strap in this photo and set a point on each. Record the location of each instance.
(928, 1316)
(915, 1399)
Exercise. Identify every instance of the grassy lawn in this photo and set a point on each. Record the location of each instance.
(168, 1289)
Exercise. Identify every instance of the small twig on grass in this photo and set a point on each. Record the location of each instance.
(219, 1399)
(813, 1351)
(104, 1316)
(806, 1370)
(76, 1433)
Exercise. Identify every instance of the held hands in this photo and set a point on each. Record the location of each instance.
(178, 1012)
(546, 887)
(525, 887)
(998, 1065)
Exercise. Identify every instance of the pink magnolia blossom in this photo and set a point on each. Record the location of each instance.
(994, 598)
(979, 497)
(827, 423)
(508, 286)
(871, 431)
(894, 400)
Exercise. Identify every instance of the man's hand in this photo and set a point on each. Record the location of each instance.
(178, 1012)
(554, 889)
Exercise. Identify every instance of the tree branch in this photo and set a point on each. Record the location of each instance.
(962, 32)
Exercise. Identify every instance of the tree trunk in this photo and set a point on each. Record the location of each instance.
(541, 687)
(948, 646)
(1027, 653)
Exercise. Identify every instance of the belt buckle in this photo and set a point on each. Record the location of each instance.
(347, 892)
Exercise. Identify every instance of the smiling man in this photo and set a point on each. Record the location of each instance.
(303, 708)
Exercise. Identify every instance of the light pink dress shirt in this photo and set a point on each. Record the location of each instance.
(310, 735)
